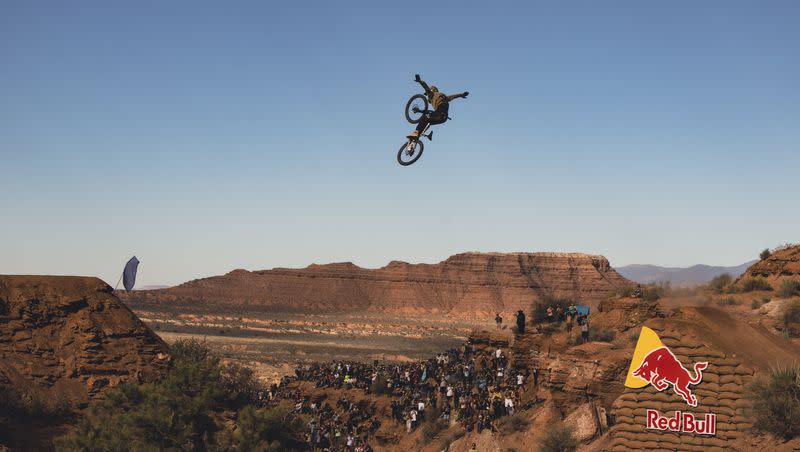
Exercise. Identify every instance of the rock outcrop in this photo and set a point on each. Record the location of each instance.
(63, 340)
(783, 263)
(466, 284)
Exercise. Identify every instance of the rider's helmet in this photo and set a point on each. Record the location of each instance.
(434, 89)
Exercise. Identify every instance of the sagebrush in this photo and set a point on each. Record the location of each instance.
(775, 402)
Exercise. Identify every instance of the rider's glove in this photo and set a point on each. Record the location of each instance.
(466, 93)
(416, 78)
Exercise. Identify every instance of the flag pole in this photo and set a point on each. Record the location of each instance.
(120, 279)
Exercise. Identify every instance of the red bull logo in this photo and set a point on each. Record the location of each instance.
(661, 369)
(654, 364)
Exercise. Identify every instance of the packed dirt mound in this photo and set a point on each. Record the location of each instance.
(736, 351)
(585, 382)
(782, 264)
(63, 340)
(721, 392)
(466, 284)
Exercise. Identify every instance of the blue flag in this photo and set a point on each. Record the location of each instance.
(129, 274)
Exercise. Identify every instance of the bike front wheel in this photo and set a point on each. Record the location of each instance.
(410, 152)
(416, 107)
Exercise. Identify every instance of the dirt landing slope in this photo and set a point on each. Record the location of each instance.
(469, 284)
(735, 351)
(65, 339)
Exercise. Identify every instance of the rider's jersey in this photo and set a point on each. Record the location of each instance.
(437, 99)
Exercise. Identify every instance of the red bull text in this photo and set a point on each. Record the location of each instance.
(682, 422)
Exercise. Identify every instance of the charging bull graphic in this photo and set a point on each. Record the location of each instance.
(654, 363)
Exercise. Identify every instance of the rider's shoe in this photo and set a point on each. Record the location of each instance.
(413, 135)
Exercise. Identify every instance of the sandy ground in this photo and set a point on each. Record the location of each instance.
(273, 344)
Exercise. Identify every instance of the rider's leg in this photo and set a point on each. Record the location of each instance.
(440, 115)
(437, 116)
(421, 125)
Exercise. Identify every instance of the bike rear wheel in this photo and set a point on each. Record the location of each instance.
(416, 107)
(410, 152)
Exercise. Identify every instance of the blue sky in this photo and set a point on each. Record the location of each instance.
(204, 137)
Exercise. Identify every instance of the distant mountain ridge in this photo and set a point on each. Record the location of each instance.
(679, 276)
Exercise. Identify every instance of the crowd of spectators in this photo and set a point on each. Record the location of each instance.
(460, 386)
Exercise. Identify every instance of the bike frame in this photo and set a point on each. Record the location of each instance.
(411, 142)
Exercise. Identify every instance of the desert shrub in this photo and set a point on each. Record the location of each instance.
(789, 288)
(539, 313)
(775, 402)
(731, 289)
(432, 428)
(791, 311)
(653, 292)
(728, 301)
(511, 424)
(625, 291)
(268, 429)
(757, 283)
(765, 254)
(718, 283)
(766, 299)
(548, 329)
(601, 334)
(171, 413)
(596, 334)
(559, 438)
(240, 383)
(190, 350)
(451, 438)
(755, 304)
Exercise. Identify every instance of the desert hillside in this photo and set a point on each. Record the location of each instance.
(466, 284)
(782, 264)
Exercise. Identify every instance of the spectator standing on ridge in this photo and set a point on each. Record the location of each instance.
(585, 331)
(521, 322)
(498, 320)
(474, 448)
(536, 375)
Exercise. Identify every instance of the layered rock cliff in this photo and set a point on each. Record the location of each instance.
(464, 284)
(63, 340)
(782, 264)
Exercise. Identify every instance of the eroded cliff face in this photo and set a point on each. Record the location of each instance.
(782, 264)
(468, 284)
(66, 339)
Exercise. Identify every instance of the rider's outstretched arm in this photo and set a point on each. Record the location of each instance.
(422, 82)
(456, 96)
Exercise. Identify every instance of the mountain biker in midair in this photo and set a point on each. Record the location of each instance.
(440, 103)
